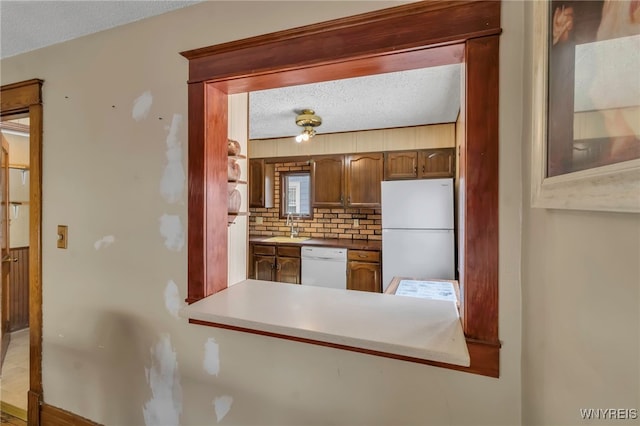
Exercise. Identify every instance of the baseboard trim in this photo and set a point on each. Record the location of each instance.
(18, 412)
(53, 416)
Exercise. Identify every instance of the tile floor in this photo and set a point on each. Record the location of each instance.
(15, 370)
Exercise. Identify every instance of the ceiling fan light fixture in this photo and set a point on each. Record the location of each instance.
(309, 120)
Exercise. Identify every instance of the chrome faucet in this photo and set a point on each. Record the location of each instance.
(290, 222)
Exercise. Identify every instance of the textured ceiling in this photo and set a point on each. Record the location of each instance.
(30, 25)
(409, 98)
(399, 99)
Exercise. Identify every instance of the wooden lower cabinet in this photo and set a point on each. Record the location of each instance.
(288, 270)
(263, 267)
(275, 263)
(364, 271)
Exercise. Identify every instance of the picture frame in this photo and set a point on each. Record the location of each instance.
(612, 187)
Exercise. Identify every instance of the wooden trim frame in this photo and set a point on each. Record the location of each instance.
(53, 416)
(614, 187)
(412, 36)
(25, 99)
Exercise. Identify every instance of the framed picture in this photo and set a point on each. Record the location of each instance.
(586, 105)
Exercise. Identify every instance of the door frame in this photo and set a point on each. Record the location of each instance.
(5, 336)
(24, 99)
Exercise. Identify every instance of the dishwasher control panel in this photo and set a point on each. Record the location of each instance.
(324, 253)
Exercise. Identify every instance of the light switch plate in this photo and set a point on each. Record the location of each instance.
(258, 220)
(62, 236)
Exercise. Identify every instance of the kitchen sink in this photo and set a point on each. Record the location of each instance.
(286, 239)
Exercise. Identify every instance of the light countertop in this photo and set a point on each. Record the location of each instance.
(399, 326)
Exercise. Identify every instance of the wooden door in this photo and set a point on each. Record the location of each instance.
(263, 267)
(363, 177)
(288, 270)
(401, 165)
(327, 181)
(4, 250)
(437, 163)
(363, 276)
(256, 183)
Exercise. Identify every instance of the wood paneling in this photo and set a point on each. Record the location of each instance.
(53, 416)
(19, 289)
(397, 139)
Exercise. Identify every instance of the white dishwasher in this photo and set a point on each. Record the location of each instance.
(324, 267)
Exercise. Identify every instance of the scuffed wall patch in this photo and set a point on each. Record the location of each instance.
(165, 406)
(105, 241)
(141, 106)
(172, 300)
(172, 232)
(222, 405)
(211, 357)
(173, 178)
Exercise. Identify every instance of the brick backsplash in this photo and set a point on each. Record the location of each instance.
(326, 223)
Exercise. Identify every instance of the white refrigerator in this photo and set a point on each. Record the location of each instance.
(418, 229)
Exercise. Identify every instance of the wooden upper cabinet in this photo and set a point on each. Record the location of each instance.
(421, 164)
(363, 174)
(327, 180)
(256, 183)
(437, 163)
(401, 165)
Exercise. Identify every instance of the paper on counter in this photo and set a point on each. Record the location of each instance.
(439, 290)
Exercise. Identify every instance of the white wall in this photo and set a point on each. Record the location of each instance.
(581, 304)
(113, 350)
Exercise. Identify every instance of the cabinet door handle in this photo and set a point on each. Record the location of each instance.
(362, 255)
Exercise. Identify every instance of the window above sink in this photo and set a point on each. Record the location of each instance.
(295, 190)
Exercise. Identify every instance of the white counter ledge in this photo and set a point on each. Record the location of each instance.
(383, 324)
